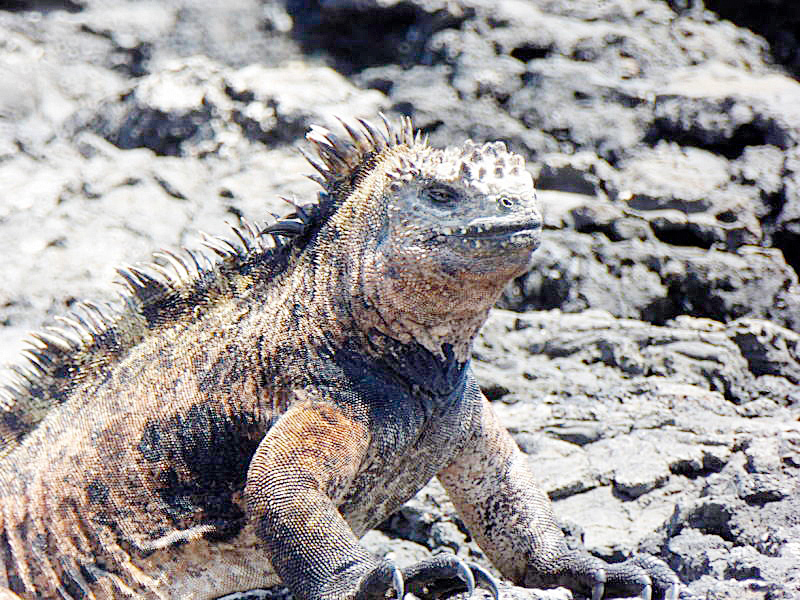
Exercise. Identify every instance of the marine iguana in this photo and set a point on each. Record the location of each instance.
(242, 420)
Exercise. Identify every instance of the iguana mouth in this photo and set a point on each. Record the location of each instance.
(495, 232)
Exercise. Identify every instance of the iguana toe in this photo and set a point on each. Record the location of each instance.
(385, 576)
(644, 575)
(445, 572)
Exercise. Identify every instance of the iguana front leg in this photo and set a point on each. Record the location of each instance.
(494, 490)
(301, 469)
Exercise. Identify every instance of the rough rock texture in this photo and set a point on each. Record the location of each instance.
(658, 393)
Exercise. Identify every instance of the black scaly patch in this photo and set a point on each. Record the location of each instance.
(203, 455)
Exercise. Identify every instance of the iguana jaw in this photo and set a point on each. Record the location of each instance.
(520, 231)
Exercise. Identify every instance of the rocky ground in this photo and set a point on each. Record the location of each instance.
(649, 362)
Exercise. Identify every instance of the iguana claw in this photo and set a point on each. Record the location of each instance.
(465, 573)
(597, 590)
(482, 576)
(398, 584)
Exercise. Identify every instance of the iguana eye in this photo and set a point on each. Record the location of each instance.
(440, 194)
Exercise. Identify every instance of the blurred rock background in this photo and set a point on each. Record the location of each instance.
(649, 362)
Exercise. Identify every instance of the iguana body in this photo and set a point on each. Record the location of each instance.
(244, 422)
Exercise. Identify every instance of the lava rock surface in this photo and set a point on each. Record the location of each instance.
(649, 361)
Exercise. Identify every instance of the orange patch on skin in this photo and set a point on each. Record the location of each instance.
(320, 441)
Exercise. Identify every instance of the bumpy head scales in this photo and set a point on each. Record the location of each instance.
(338, 158)
(489, 162)
(486, 168)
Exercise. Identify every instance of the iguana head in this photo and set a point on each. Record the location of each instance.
(471, 210)
(433, 235)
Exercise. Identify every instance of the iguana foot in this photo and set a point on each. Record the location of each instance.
(644, 576)
(641, 574)
(443, 573)
(433, 576)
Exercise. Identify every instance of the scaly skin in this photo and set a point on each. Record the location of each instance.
(245, 425)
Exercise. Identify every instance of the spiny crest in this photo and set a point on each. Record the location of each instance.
(177, 286)
(340, 158)
(93, 336)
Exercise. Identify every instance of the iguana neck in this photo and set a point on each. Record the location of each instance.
(404, 303)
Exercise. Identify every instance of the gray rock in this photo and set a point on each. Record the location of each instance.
(663, 138)
(686, 196)
(195, 107)
(717, 106)
(768, 348)
(786, 229)
(655, 281)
